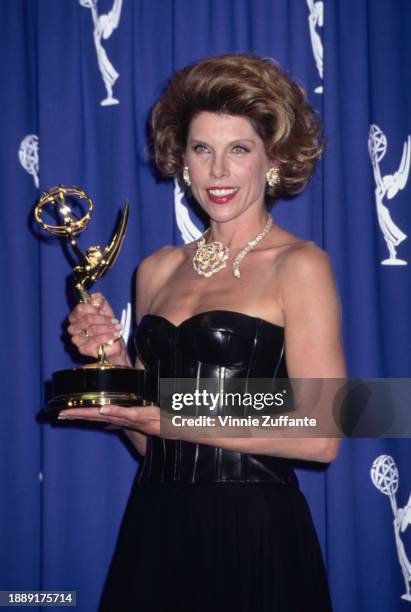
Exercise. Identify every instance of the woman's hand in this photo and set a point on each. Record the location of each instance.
(93, 324)
(145, 419)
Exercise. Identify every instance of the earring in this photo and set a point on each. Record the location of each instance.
(273, 176)
(186, 176)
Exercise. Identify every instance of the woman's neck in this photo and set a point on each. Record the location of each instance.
(237, 232)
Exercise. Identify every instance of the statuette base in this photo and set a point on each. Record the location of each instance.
(91, 387)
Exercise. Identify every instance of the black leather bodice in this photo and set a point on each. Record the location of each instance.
(215, 344)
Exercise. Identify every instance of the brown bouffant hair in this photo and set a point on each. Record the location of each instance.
(249, 86)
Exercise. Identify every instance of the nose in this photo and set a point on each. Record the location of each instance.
(219, 166)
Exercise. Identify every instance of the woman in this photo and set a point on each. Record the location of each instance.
(218, 523)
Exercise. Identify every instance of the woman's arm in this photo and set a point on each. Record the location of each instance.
(313, 350)
(146, 286)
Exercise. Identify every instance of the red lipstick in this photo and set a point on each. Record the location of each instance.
(222, 194)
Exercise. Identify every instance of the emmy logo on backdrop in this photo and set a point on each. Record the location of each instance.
(384, 475)
(104, 25)
(189, 231)
(316, 20)
(29, 156)
(388, 185)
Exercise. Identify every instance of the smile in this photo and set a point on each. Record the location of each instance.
(221, 195)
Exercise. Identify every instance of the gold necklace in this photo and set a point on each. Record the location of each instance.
(212, 257)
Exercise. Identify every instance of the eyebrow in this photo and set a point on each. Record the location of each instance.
(199, 140)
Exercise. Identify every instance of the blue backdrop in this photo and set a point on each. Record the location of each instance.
(64, 66)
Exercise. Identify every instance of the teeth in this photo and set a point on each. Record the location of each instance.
(220, 193)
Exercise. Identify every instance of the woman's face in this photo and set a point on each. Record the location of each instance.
(227, 162)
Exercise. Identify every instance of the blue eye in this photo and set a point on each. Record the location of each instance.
(200, 148)
(240, 149)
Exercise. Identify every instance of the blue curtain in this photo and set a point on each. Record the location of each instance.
(64, 488)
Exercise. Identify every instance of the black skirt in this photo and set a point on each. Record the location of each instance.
(243, 547)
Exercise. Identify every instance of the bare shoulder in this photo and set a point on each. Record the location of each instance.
(304, 261)
(161, 261)
(312, 314)
(153, 271)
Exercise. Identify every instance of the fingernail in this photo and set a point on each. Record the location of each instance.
(119, 327)
(61, 417)
(96, 303)
(114, 320)
(116, 335)
(104, 410)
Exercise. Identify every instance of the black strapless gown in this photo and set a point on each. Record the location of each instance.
(206, 529)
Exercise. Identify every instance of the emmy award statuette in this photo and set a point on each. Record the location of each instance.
(99, 383)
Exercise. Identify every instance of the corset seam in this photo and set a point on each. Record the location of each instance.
(196, 453)
(197, 448)
(221, 389)
(253, 353)
(219, 456)
(279, 360)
